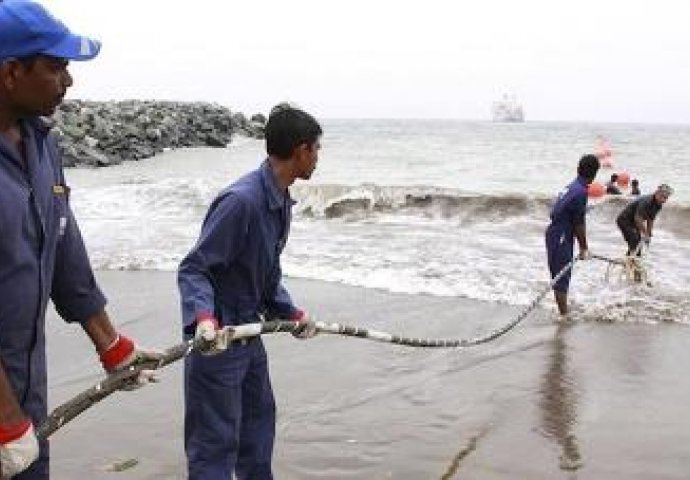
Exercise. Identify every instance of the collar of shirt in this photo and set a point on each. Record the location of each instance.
(40, 124)
(33, 131)
(277, 198)
(582, 181)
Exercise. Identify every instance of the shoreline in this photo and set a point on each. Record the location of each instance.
(541, 402)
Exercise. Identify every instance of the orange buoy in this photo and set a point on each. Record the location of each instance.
(596, 190)
(604, 153)
(623, 179)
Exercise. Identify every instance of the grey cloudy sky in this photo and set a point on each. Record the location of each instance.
(585, 60)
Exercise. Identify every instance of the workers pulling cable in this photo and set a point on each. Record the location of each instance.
(126, 378)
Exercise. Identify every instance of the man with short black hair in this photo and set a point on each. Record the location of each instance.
(568, 222)
(635, 187)
(232, 276)
(637, 218)
(42, 255)
(611, 185)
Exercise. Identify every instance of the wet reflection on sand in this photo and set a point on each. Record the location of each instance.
(559, 401)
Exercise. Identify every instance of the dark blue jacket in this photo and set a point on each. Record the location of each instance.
(42, 257)
(568, 211)
(233, 272)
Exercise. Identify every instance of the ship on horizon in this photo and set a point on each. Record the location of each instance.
(507, 109)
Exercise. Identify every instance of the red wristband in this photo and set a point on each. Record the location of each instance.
(205, 316)
(297, 315)
(9, 433)
(117, 353)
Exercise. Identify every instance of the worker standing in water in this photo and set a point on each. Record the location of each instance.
(567, 223)
(636, 220)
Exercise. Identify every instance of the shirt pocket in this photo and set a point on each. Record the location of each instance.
(61, 217)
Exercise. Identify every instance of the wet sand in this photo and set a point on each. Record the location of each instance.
(586, 400)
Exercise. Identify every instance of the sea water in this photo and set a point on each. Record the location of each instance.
(447, 208)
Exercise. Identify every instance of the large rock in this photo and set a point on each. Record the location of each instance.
(106, 133)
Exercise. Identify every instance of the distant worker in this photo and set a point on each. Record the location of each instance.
(611, 187)
(635, 187)
(637, 218)
(567, 223)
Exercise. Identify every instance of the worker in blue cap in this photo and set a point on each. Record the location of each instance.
(42, 255)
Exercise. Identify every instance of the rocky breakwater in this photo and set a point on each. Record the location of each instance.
(107, 133)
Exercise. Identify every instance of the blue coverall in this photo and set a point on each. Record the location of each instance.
(42, 256)
(567, 212)
(233, 273)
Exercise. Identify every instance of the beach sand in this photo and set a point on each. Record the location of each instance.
(586, 400)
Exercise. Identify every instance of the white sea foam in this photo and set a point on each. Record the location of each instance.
(390, 219)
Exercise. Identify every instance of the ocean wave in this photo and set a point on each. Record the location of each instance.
(366, 200)
(342, 201)
(412, 239)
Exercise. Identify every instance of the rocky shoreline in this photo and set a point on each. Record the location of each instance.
(107, 133)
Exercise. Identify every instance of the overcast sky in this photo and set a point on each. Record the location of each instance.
(585, 60)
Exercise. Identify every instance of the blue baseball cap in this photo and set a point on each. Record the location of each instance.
(27, 28)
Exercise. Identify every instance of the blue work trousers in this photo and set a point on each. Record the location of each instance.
(559, 252)
(229, 414)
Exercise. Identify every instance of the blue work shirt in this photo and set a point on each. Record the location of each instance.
(233, 272)
(567, 212)
(42, 257)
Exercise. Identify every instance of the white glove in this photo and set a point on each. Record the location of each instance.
(18, 454)
(123, 353)
(215, 339)
(306, 325)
